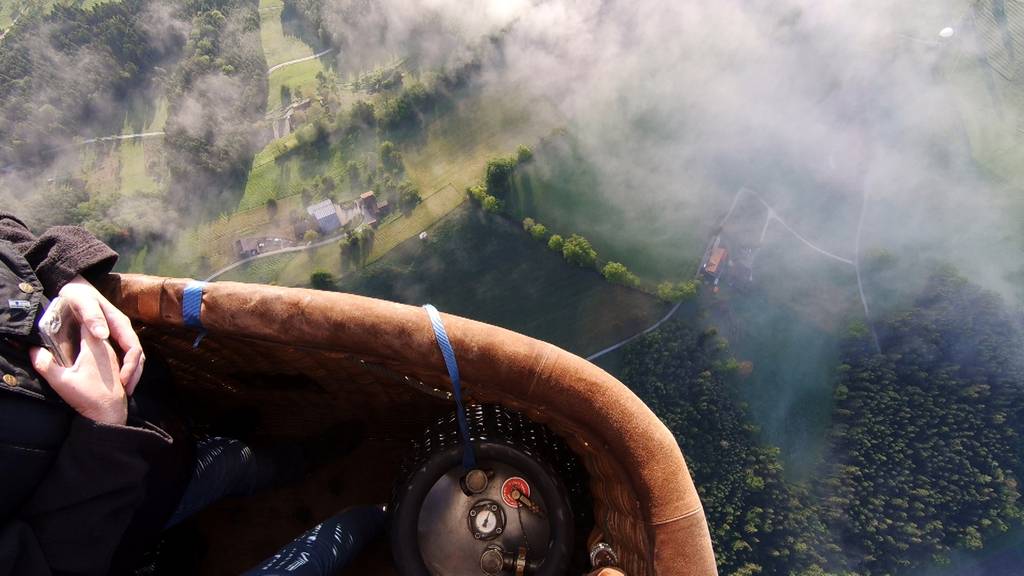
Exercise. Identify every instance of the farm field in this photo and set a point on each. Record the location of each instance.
(452, 155)
(298, 78)
(10, 9)
(561, 188)
(486, 268)
(135, 172)
(281, 45)
(278, 176)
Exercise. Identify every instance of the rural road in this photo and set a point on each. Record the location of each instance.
(231, 267)
(772, 215)
(123, 137)
(650, 328)
(9, 28)
(277, 67)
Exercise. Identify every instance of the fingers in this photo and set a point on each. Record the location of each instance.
(122, 333)
(89, 313)
(131, 369)
(46, 365)
(102, 355)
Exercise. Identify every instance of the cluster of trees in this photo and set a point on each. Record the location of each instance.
(356, 247)
(321, 280)
(926, 435)
(758, 522)
(65, 73)
(380, 80)
(217, 95)
(617, 273)
(535, 229)
(678, 291)
(497, 184)
(406, 110)
(391, 157)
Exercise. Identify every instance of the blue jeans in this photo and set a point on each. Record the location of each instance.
(227, 467)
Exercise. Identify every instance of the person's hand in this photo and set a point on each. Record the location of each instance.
(103, 320)
(92, 386)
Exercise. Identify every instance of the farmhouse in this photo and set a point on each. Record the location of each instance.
(719, 256)
(284, 125)
(326, 215)
(246, 247)
(368, 204)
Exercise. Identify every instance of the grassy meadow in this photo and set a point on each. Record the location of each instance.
(486, 268)
(281, 45)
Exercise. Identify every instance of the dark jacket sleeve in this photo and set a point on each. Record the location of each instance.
(77, 492)
(60, 253)
(76, 517)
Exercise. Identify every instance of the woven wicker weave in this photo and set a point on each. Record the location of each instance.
(298, 361)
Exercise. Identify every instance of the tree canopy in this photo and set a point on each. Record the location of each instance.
(926, 434)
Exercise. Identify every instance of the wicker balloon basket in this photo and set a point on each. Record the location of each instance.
(297, 362)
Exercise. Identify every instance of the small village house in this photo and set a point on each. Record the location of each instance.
(326, 215)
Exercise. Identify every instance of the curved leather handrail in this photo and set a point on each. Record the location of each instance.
(556, 385)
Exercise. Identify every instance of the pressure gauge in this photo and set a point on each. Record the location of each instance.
(486, 520)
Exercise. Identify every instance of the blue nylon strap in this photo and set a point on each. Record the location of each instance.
(192, 306)
(468, 456)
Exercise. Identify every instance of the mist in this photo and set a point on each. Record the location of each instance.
(815, 106)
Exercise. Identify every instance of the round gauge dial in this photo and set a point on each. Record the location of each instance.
(486, 520)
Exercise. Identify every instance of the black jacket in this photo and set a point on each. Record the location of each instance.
(76, 497)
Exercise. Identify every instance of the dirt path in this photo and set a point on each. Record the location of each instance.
(651, 328)
(277, 67)
(123, 137)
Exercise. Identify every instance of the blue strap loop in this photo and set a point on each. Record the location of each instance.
(192, 306)
(468, 456)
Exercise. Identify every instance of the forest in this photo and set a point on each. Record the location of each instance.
(759, 523)
(67, 72)
(925, 444)
(924, 451)
(217, 96)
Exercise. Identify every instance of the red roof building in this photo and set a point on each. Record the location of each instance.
(718, 257)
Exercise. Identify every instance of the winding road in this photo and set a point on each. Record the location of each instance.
(650, 328)
(277, 67)
(231, 267)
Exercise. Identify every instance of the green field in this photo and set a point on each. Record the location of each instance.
(11, 9)
(486, 268)
(135, 177)
(278, 47)
(451, 155)
(145, 112)
(297, 77)
(658, 236)
(262, 271)
(274, 176)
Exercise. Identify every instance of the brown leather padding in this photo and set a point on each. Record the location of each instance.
(644, 499)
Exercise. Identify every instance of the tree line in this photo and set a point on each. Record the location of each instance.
(492, 194)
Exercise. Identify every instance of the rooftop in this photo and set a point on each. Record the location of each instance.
(322, 210)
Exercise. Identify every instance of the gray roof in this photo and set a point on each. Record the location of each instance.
(322, 210)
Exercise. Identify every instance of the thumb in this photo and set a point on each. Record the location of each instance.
(46, 365)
